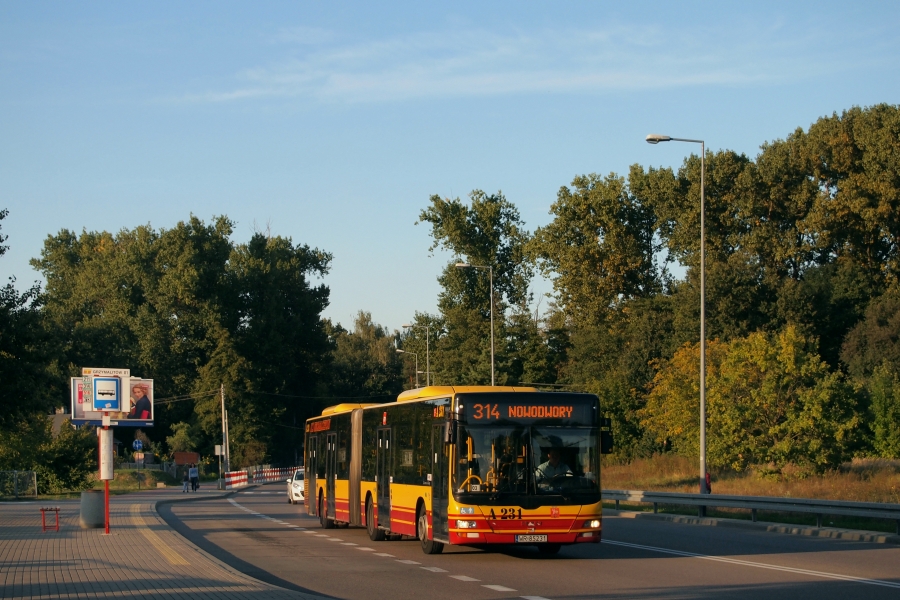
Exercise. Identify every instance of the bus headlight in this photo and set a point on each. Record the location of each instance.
(466, 524)
(592, 524)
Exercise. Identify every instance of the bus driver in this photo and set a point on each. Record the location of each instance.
(554, 467)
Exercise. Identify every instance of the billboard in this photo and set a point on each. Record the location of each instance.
(128, 400)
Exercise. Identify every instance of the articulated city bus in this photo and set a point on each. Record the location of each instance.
(461, 465)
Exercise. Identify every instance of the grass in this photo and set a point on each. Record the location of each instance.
(863, 480)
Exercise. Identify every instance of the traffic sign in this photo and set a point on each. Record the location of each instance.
(137, 445)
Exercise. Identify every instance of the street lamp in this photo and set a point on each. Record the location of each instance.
(399, 351)
(490, 271)
(655, 139)
(427, 352)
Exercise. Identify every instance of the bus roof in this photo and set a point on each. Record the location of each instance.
(448, 390)
(342, 408)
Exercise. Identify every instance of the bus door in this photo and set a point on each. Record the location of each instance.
(440, 457)
(383, 477)
(330, 472)
(310, 488)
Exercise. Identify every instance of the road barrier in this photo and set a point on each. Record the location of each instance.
(269, 475)
(820, 508)
(236, 479)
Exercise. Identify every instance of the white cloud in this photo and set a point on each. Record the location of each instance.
(481, 63)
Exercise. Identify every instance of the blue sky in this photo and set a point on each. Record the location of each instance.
(332, 123)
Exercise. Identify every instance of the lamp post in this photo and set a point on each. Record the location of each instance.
(427, 351)
(399, 351)
(655, 139)
(490, 271)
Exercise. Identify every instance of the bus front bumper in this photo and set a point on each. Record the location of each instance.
(485, 537)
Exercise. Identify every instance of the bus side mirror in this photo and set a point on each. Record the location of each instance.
(606, 436)
(449, 433)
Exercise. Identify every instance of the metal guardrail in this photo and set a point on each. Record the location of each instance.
(820, 508)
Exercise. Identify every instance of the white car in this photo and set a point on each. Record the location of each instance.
(295, 487)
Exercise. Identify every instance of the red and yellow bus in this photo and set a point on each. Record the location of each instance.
(462, 465)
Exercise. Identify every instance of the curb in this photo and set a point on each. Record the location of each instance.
(875, 537)
(222, 564)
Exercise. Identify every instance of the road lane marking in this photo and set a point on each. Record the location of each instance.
(747, 563)
(434, 569)
(499, 588)
(383, 554)
(322, 535)
(533, 598)
(409, 562)
(335, 540)
(169, 554)
(464, 578)
(349, 544)
(364, 549)
(308, 531)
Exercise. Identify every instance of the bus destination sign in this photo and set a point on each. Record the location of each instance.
(518, 409)
(323, 425)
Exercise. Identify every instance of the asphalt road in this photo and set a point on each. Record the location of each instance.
(259, 533)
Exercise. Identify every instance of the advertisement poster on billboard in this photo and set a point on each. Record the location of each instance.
(133, 409)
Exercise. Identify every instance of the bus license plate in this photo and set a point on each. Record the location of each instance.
(530, 539)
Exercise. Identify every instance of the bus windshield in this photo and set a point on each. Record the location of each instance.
(502, 462)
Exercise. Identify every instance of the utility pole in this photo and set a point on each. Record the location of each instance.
(224, 426)
(227, 448)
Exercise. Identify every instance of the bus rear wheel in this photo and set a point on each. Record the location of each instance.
(375, 534)
(323, 517)
(428, 546)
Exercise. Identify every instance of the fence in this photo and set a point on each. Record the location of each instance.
(819, 508)
(18, 483)
(166, 467)
(257, 474)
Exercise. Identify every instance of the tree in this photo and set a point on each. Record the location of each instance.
(64, 462)
(487, 232)
(875, 340)
(770, 401)
(600, 246)
(884, 393)
(183, 438)
(25, 352)
(364, 361)
(193, 310)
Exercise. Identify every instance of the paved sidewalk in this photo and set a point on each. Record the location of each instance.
(142, 557)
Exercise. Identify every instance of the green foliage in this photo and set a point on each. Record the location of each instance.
(25, 351)
(600, 246)
(884, 390)
(487, 233)
(875, 340)
(183, 438)
(364, 361)
(193, 310)
(770, 400)
(62, 463)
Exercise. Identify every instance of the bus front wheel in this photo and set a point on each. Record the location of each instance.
(428, 546)
(375, 534)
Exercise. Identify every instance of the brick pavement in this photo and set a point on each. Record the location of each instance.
(142, 557)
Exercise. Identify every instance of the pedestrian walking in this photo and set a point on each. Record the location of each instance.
(194, 473)
(185, 481)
